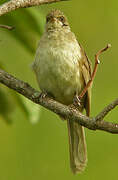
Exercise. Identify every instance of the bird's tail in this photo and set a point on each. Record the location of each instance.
(77, 147)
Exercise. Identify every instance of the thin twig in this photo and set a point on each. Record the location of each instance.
(16, 4)
(94, 70)
(67, 113)
(106, 110)
(6, 27)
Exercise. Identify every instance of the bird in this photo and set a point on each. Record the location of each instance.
(63, 70)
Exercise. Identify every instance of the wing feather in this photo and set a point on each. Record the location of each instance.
(86, 69)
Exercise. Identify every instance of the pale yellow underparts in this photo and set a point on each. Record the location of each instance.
(56, 65)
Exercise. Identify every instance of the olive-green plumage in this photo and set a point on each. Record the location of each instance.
(62, 69)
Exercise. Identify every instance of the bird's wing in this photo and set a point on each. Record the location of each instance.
(86, 73)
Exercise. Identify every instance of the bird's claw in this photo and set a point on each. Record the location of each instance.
(77, 101)
(43, 95)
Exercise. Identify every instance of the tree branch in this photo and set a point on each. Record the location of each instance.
(26, 90)
(66, 112)
(16, 4)
(6, 27)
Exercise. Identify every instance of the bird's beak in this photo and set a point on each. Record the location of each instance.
(53, 20)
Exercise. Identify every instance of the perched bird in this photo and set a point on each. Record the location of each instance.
(62, 69)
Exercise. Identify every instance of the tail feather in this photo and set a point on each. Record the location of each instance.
(77, 147)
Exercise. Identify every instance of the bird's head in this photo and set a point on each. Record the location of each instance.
(56, 20)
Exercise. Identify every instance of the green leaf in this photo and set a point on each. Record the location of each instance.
(5, 106)
(19, 102)
(30, 109)
(3, 1)
(33, 109)
(28, 24)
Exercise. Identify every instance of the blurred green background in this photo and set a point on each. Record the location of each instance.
(35, 145)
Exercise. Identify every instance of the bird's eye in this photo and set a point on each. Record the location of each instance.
(62, 19)
(47, 19)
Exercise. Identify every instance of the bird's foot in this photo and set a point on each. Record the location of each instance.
(43, 94)
(76, 101)
(39, 95)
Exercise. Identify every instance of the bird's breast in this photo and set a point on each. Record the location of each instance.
(57, 69)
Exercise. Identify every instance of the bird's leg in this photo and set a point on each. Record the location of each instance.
(76, 101)
(93, 73)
